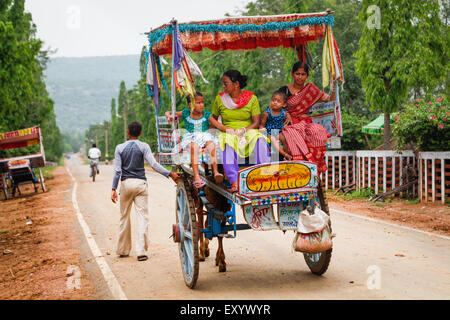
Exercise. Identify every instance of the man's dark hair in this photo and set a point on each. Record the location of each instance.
(94, 145)
(135, 129)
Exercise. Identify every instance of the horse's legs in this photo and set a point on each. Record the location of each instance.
(201, 254)
(220, 256)
(206, 240)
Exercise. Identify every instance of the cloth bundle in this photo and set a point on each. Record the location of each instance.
(313, 233)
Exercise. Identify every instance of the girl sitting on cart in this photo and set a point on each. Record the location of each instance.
(273, 120)
(197, 124)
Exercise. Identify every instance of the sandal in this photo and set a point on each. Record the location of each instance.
(218, 177)
(142, 258)
(198, 184)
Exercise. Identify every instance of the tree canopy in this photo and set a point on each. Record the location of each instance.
(24, 99)
(404, 52)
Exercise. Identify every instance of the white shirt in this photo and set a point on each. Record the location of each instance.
(94, 153)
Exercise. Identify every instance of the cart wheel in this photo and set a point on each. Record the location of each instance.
(187, 233)
(41, 180)
(5, 187)
(318, 262)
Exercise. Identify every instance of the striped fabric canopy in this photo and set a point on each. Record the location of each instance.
(376, 126)
(243, 33)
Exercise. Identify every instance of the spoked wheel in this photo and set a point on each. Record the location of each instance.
(185, 233)
(318, 262)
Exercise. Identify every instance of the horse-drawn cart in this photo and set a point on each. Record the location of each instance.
(287, 186)
(21, 170)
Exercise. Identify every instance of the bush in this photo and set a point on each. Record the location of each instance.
(425, 124)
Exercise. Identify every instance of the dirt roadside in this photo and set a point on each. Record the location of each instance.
(37, 260)
(430, 217)
(34, 259)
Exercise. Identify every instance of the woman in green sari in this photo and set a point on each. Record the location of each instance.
(240, 111)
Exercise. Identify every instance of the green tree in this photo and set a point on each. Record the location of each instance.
(394, 55)
(24, 99)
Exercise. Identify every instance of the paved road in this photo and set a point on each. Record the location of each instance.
(370, 260)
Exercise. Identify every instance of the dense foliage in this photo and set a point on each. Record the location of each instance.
(425, 124)
(404, 54)
(24, 100)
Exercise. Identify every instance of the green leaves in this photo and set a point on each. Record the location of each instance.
(425, 123)
(24, 100)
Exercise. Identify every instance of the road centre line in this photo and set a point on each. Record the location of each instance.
(108, 275)
(388, 223)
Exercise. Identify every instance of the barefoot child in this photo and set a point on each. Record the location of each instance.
(273, 119)
(197, 124)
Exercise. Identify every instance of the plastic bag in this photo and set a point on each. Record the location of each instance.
(313, 233)
(313, 242)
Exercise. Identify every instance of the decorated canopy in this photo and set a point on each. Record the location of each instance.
(20, 138)
(244, 33)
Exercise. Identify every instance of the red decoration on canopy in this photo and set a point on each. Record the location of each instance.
(20, 138)
(295, 37)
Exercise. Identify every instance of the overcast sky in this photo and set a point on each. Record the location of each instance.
(78, 28)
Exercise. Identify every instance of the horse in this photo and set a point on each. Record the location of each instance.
(220, 203)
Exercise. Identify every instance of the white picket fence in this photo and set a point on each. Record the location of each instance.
(385, 170)
(434, 176)
(341, 169)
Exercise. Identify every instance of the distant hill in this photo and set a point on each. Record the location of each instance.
(82, 88)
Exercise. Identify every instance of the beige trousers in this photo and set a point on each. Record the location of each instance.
(133, 191)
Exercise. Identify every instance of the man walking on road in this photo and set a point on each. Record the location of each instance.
(129, 168)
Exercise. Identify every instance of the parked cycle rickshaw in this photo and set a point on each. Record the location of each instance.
(291, 186)
(21, 170)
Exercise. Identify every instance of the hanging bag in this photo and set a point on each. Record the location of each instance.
(313, 233)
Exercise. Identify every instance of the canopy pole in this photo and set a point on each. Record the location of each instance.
(173, 91)
(337, 111)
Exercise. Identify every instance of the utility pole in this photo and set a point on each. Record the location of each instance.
(125, 111)
(106, 143)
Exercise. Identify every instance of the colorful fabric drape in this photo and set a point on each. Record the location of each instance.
(178, 56)
(242, 101)
(154, 71)
(331, 61)
(244, 33)
(300, 103)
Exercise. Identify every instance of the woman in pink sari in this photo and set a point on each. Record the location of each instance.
(305, 140)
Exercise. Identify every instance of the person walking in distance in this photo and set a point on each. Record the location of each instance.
(129, 168)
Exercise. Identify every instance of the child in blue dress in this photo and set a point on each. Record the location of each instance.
(274, 119)
(197, 124)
